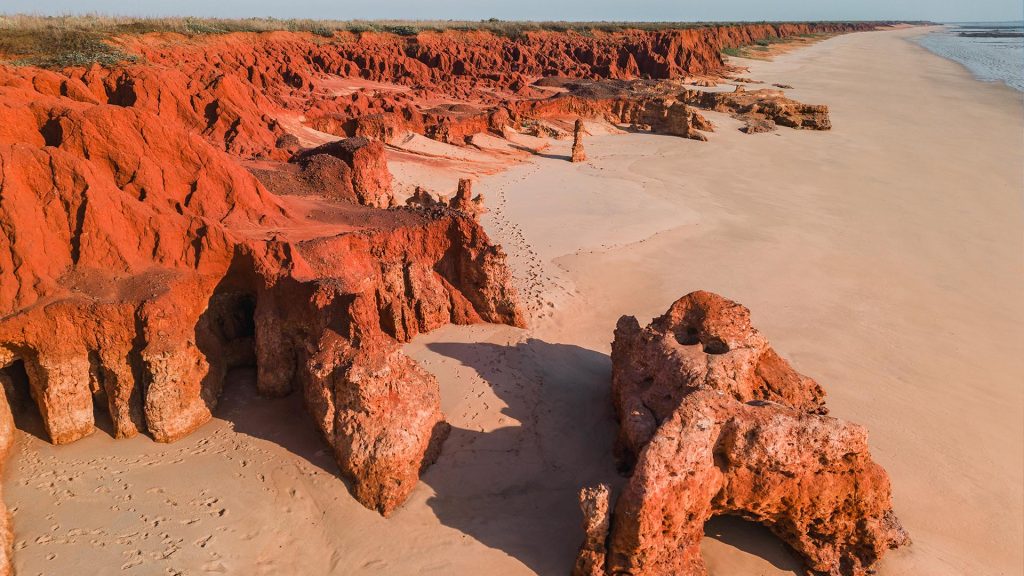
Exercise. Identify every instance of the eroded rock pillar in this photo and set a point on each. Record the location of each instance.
(578, 154)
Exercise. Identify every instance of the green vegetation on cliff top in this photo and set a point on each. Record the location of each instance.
(61, 41)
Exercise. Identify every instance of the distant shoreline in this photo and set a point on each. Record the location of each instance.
(991, 53)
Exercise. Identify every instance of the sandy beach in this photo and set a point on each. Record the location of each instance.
(883, 258)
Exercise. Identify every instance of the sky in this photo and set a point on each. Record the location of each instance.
(587, 10)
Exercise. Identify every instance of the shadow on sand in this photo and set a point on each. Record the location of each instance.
(282, 421)
(549, 156)
(514, 488)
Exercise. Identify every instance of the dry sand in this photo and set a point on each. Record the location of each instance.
(883, 258)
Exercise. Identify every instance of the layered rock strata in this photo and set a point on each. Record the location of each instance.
(713, 421)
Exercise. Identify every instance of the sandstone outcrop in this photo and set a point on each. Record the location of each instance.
(578, 153)
(713, 421)
(595, 503)
(644, 105)
(463, 200)
(421, 198)
(678, 119)
(704, 341)
(241, 92)
(761, 107)
(758, 126)
(353, 169)
(141, 263)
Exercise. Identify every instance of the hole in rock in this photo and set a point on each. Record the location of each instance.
(759, 549)
(18, 390)
(52, 132)
(230, 337)
(122, 94)
(688, 335)
(715, 346)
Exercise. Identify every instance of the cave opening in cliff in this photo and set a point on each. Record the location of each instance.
(274, 416)
(232, 321)
(18, 391)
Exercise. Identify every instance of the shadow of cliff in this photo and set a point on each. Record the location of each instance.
(282, 421)
(514, 487)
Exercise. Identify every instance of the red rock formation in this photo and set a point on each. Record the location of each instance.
(704, 341)
(421, 199)
(362, 174)
(758, 125)
(713, 421)
(595, 503)
(463, 200)
(762, 108)
(643, 105)
(677, 119)
(578, 153)
(237, 90)
(139, 269)
(808, 478)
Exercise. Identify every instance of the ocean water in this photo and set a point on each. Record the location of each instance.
(992, 51)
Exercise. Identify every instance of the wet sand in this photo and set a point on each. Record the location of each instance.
(883, 258)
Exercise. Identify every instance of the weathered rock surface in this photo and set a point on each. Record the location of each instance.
(762, 106)
(361, 175)
(704, 341)
(758, 126)
(644, 105)
(463, 200)
(243, 92)
(141, 263)
(713, 421)
(595, 503)
(578, 153)
(808, 478)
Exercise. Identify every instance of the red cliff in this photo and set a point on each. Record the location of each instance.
(144, 254)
